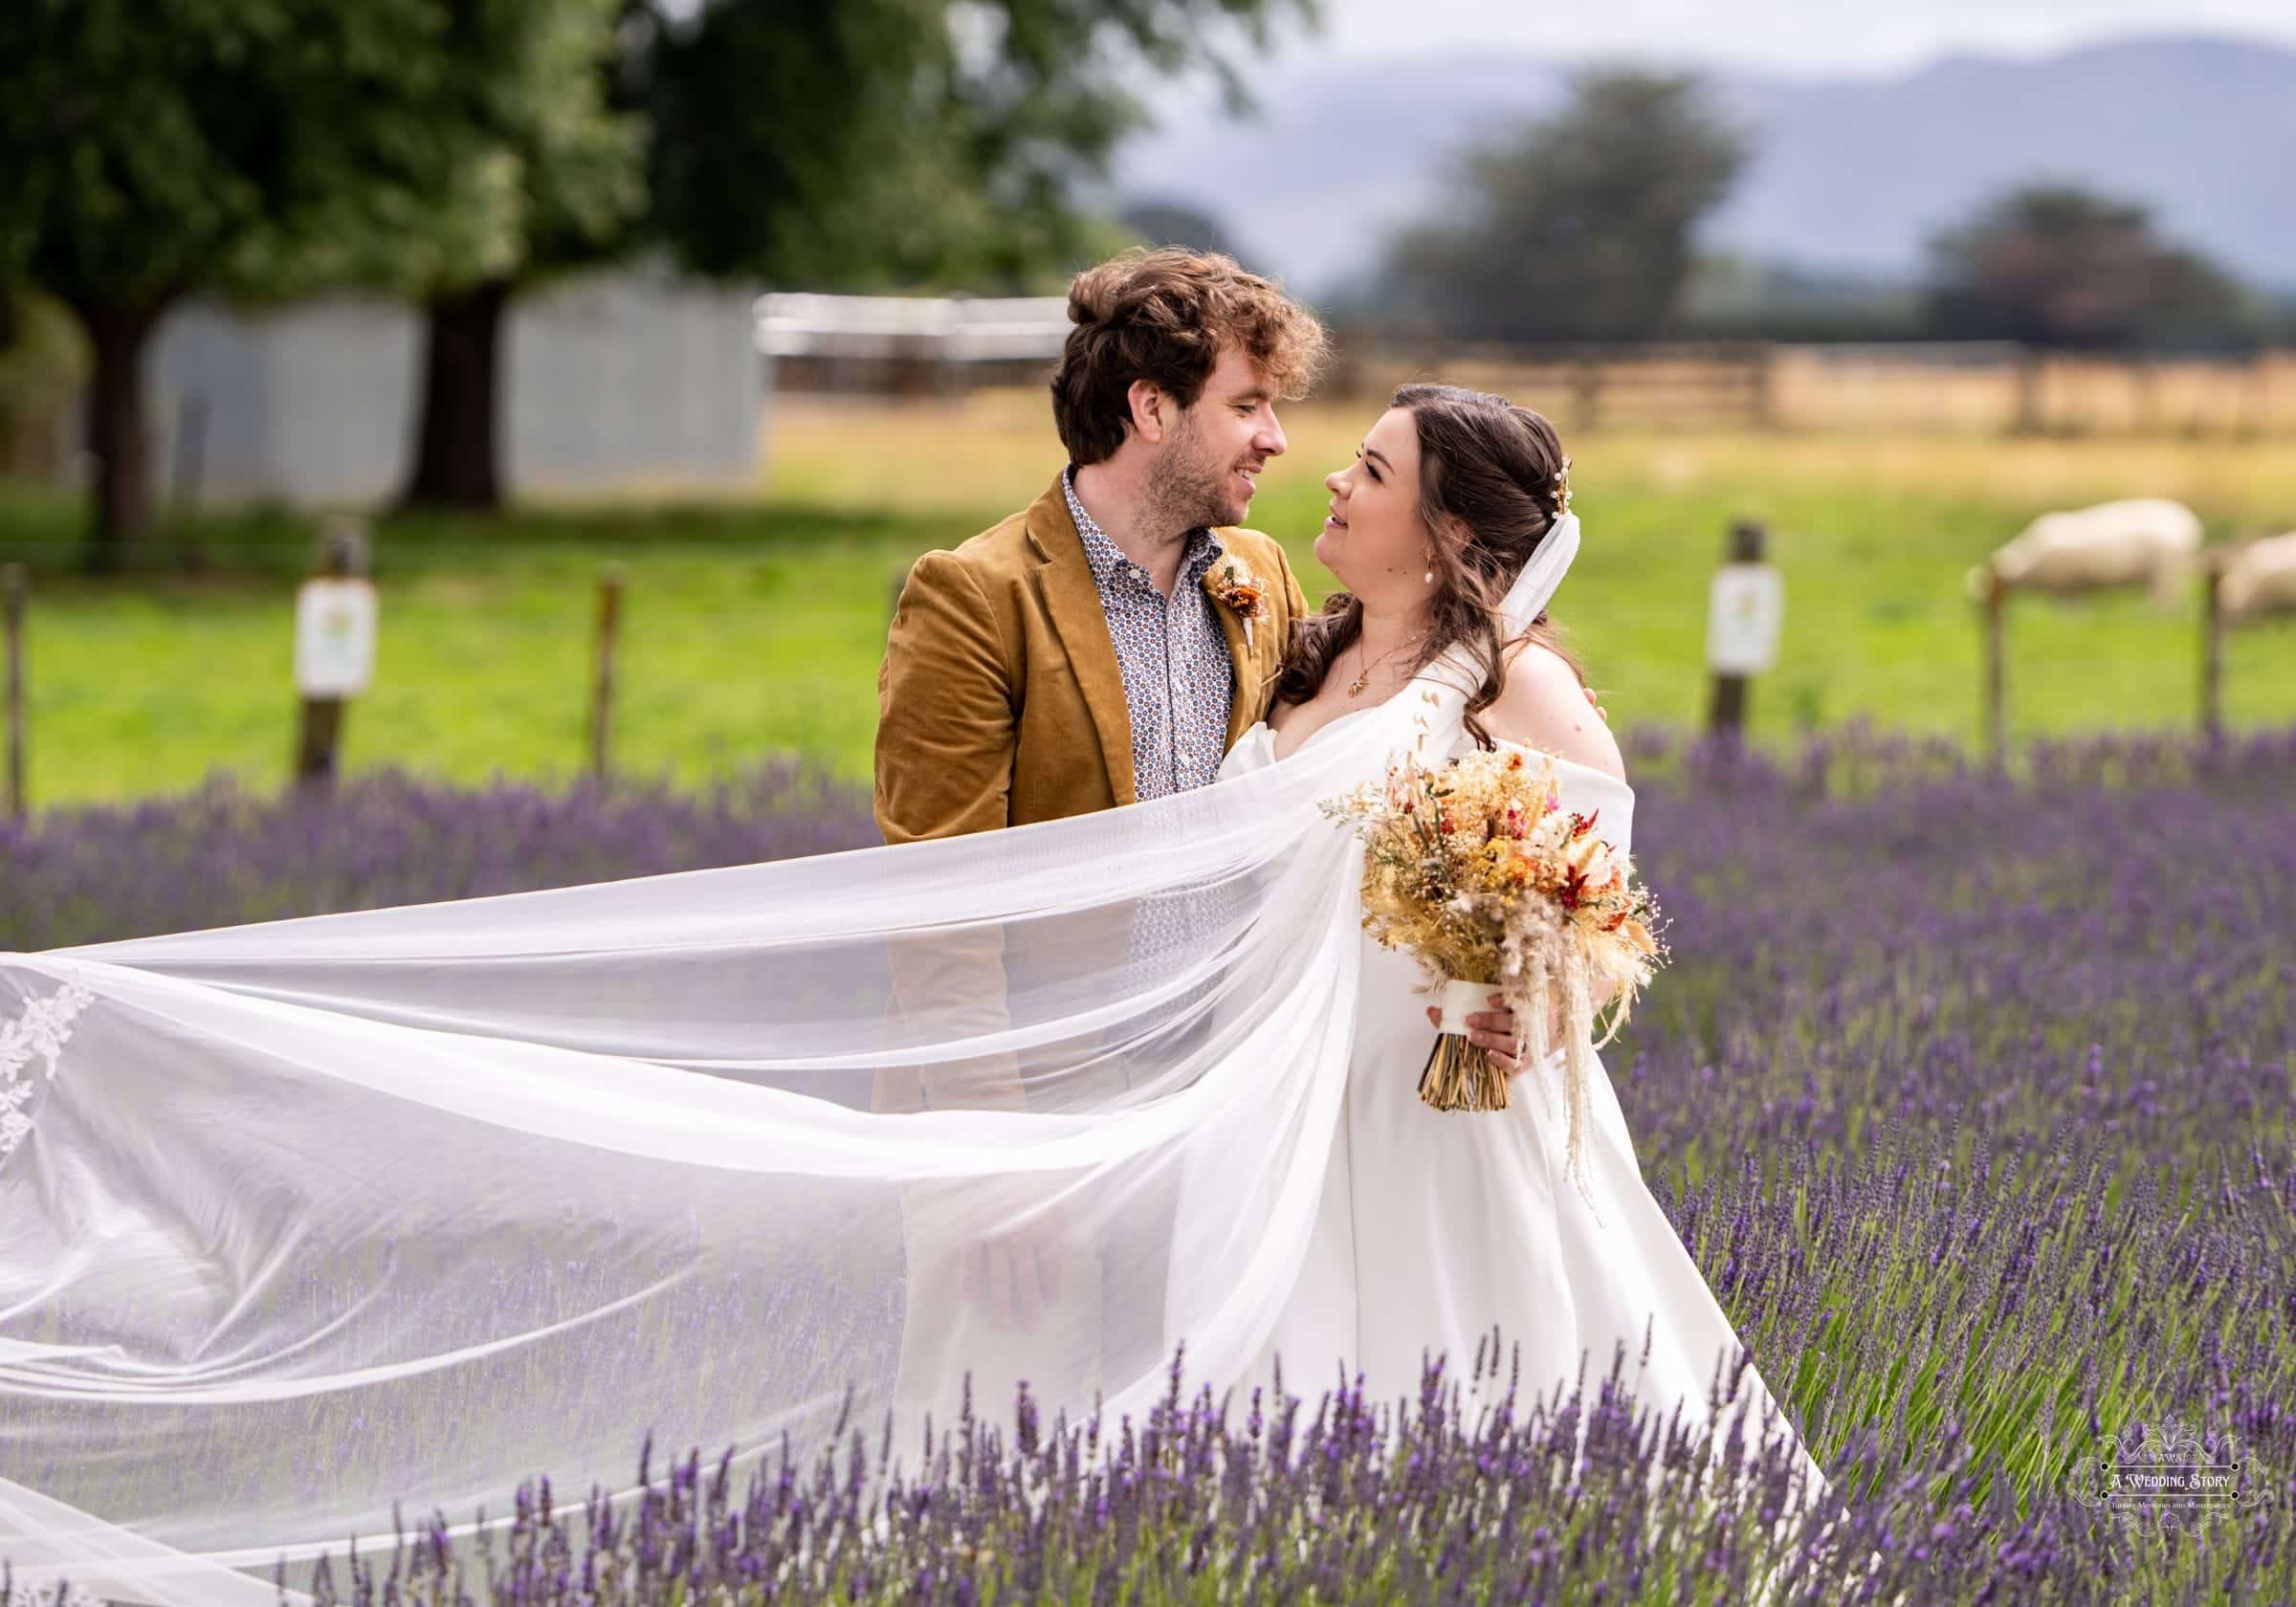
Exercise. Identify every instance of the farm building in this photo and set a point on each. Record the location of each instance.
(624, 380)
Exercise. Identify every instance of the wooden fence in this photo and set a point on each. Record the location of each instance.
(1980, 388)
(1925, 387)
(1581, 388)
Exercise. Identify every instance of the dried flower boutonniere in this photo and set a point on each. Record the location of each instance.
(1233, 587)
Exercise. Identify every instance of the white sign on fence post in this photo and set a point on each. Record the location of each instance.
(334, 637)
(1744, 612)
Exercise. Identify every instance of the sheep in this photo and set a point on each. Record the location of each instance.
(2144, 540)
(2260, 577)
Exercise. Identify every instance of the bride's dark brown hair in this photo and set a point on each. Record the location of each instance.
(1493, 467)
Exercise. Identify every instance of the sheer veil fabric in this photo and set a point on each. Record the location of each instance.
(303, 1217)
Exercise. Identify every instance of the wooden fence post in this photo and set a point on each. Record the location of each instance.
(12, 625)
(601, 679)
(1586, 393)
(318, 737)
(1764, 363)
(1997, 730)
(334, 649)
(1743, 615)
(2028, 420)
(2212, 644)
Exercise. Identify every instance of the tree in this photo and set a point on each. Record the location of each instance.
(2052, 266)
(865, 144)
(244, 147)
(782, 139)
(568, 158)
(1580, 226)
(911, 143)
(747, 136)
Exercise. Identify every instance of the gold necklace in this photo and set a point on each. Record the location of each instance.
(1354, 688)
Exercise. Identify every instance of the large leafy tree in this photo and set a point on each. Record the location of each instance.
(2053, 266)
(564, 153)
(1577, 227)
(742, 134)
(903, 143)
(248, 147)
(865, 144)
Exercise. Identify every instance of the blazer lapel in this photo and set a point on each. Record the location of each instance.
(1065, 580)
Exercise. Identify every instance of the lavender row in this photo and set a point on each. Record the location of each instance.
(1971, 1096)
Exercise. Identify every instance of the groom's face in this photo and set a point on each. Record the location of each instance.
(1211, 457)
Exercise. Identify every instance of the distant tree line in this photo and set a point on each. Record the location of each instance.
(1582, 226)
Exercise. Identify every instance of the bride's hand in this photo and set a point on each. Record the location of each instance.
(1494, 1030)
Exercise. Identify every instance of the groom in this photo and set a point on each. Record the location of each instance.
(1105, 645)
(1072, 657)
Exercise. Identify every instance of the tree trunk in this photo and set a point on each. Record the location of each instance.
(118, 432)
(457, 444)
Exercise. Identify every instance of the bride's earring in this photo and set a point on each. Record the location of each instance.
(1431, 571)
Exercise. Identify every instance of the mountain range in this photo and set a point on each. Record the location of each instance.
(1847, 175)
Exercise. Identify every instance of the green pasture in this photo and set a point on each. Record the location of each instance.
(755, 627)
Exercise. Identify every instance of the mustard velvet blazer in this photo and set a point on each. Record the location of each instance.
(999, 701)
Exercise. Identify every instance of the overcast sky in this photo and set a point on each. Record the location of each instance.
(1785, 35)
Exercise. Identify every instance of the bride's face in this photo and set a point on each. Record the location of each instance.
(1375, 539)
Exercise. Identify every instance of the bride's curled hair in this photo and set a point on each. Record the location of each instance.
(1497, 468)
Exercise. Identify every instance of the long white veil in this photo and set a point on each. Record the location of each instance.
(302, 1217)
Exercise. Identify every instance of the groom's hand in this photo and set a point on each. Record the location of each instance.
(1015, 1274)
(1596, 701)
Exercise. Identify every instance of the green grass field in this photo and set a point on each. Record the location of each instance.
(755, 627)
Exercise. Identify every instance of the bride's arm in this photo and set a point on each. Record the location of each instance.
(1544, 705)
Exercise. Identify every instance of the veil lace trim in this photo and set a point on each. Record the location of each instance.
(40, 1031)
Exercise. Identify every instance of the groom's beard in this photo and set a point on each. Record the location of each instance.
(1187, 490)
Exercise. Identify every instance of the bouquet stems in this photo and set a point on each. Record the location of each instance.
(1460, 1075)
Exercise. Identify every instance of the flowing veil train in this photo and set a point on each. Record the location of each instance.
(302, 1218)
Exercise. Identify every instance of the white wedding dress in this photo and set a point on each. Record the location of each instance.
(305, 1219)
(1434, 1228)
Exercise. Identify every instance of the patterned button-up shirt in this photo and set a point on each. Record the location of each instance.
(1179, 679)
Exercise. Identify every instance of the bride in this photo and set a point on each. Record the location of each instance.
(1435, 1228)
(304, 1218)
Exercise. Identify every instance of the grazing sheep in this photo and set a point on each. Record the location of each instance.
(2145, 540)
(2259, 579)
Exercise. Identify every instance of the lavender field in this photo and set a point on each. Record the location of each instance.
(1975, 1098)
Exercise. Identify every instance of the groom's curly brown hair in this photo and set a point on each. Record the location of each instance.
(1164, 315)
